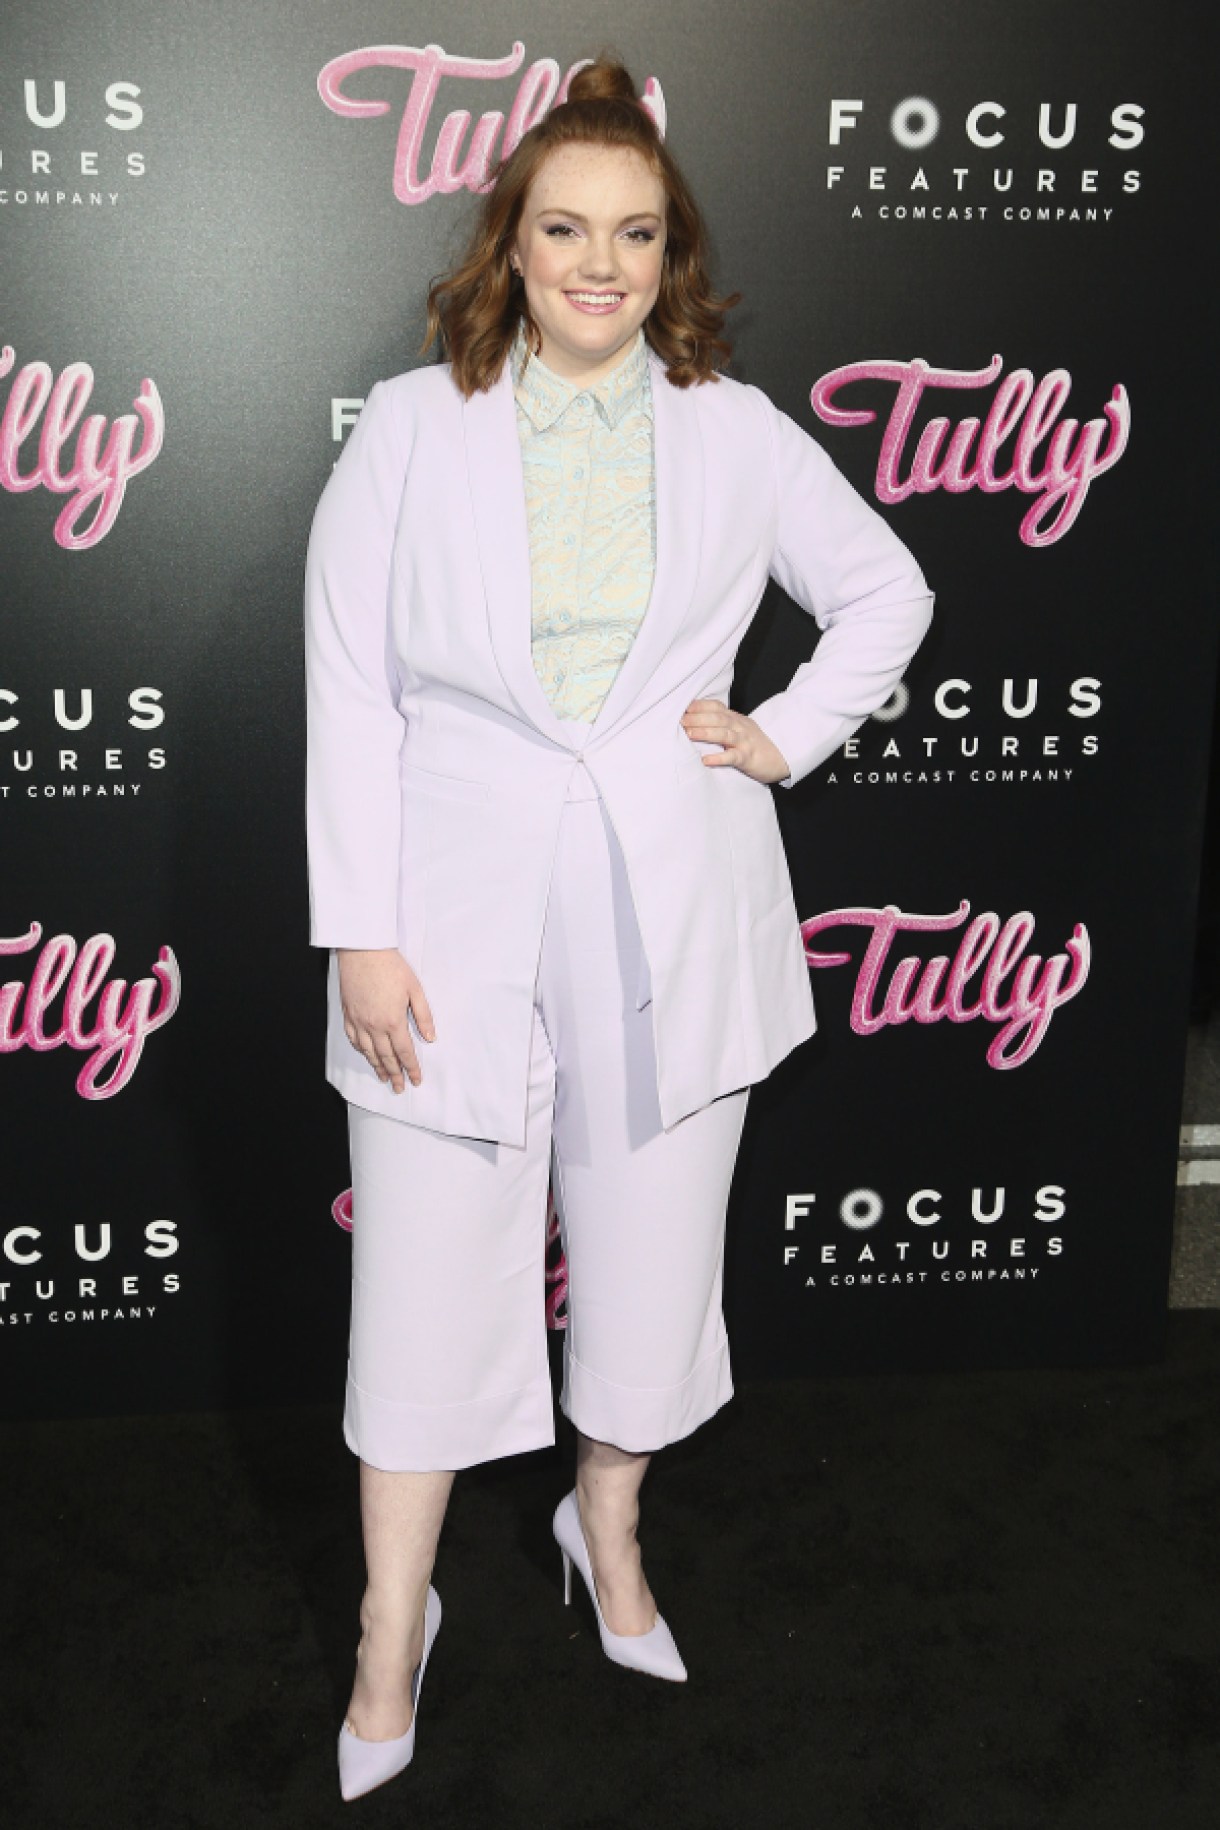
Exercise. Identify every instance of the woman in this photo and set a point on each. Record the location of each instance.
(545, 856)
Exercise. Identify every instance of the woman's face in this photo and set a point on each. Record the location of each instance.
(589, 248)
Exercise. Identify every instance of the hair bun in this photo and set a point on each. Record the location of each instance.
(606, 79)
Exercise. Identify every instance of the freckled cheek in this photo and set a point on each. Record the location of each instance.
(548, 266)
(644, 273)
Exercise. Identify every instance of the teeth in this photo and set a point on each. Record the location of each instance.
(596, 298)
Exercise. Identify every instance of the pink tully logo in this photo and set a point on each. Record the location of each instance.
(96, 475)
(124, 1018)
(456, 165)
(925, 991)
(969, 455)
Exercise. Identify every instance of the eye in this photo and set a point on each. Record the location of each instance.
(564, 229)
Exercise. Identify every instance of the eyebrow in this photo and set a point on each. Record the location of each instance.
(639, 216)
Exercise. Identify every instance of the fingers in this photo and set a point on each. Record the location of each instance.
(714, 727)
(699, 710)
(708, 721)
(743, 746)
(398, 1049)
(421, 1011)
(379, 995)
(389, 1052)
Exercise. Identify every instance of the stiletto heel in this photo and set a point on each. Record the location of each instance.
(654, 1651)
(365, 1764)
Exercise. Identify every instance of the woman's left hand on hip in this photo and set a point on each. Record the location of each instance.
(746, 745)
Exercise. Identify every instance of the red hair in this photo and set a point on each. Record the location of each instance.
(474, 309)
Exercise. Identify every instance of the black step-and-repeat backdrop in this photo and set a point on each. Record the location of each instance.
(970, 240)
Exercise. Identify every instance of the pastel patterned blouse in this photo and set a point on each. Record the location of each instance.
(590, 492)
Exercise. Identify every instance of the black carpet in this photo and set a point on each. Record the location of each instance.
(979, 1602)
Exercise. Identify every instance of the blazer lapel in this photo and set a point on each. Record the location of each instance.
(678, 453)
(497, 489)
(497, 493)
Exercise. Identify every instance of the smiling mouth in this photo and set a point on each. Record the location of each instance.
(595, 298)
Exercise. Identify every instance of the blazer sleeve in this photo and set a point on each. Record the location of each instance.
(841, 562)
(354, 730)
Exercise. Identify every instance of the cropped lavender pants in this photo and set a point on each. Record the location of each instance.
(448, 1362)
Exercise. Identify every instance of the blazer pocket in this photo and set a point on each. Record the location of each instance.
(455, 787)
(690, 765)
(694, 769)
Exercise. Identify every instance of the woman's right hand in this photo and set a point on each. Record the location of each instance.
(376, 988)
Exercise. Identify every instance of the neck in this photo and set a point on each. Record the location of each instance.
(587, 375)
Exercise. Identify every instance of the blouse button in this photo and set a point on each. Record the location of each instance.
(578, 472)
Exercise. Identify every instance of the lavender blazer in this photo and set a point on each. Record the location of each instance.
(437, 769)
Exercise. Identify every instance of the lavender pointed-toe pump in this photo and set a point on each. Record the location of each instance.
(654, 1651)
(365, 1764)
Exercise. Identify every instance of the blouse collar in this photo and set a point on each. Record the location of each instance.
(545, 395)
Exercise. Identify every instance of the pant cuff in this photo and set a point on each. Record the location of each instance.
(426, 1439)
(643, 1418)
